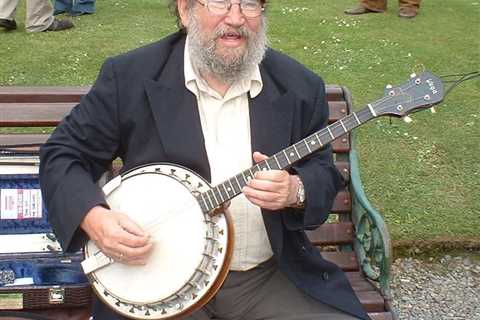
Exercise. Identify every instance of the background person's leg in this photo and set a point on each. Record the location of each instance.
(7, 14)
(39, 15)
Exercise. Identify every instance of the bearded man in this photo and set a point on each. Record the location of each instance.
(212, 98)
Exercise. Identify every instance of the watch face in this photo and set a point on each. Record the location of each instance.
(300, 193)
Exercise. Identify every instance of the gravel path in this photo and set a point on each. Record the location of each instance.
(437, 289)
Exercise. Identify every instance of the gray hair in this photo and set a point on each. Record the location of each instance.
(172, 5)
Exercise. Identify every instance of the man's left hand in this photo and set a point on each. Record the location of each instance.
(272, 189)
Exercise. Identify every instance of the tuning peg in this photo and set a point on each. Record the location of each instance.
(413, 75)
(389, 86)
(432, 109)
(407, 119)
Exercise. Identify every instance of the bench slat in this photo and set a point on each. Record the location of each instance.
(343, 202)
(344, 168)
(334, 92)
(345, 260)
(42, 94)
(337, 110)
(33, 114)
(341, 144)
(73, 93)
(381, 316)
(23, 138)
(332, 234)
(372, 301)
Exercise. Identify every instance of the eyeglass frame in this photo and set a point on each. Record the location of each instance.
(229, 7)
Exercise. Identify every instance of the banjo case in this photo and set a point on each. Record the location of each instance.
(35, 274)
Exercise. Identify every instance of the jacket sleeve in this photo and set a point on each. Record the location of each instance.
(78, 152)
(318, 173)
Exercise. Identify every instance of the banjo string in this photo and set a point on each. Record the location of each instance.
(154, 224)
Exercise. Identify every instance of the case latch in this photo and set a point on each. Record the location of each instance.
(56, 295)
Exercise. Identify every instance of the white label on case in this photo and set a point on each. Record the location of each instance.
(20, 204)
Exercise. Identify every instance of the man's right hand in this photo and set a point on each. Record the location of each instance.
(117, 236)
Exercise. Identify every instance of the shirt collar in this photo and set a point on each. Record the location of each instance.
(195, 83)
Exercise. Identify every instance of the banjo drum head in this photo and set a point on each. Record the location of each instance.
(168, 211)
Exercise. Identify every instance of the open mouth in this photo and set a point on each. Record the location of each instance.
(231, 36)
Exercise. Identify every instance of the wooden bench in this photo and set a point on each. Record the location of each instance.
(355, 237)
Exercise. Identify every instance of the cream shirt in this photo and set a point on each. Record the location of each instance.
(226, 129)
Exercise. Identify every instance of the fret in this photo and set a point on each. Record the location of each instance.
(243, 181)
(263, 166)
(202, 203)
(293, 155)
(281, 163)
(372, 110)
(365, 114)
(296, 151)
(312, 141)
(213, 198)
(337, 130)
(238, 183)
(223, 194)
(209, 204)
(319, 140)
(343, 126)
(276, 160)
(308, 147)
(356, 118)
(247, 177)
(302, 149)
(352, 122)
(232, 188)
(272, 163)
(330, 132)
(286, 156)
(218, 195)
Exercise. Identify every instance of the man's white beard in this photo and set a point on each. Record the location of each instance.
(233, 64)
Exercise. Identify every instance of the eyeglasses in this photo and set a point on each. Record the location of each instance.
(250, 8)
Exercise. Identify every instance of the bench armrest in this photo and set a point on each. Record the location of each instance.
(372, 242)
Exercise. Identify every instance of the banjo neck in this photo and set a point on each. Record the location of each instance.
(420, 92)
(230, 188)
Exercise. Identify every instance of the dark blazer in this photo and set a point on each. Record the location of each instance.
(139, 110)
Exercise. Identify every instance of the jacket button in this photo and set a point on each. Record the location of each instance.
(325, 276)
(304, 249)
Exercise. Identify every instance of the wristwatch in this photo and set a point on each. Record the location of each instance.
(300, 194)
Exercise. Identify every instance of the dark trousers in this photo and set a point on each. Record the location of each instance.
(264, 293)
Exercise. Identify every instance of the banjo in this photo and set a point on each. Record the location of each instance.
(184, 273)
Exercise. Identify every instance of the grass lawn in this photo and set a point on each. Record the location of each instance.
(424, 176)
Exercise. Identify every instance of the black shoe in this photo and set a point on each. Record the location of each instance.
(59, 25)
(8, 24)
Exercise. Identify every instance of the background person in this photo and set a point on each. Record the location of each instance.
(408, 8)
(39, 16)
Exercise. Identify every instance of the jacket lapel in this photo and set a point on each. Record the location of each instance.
(271, 116)
(175, 111)
(271, 119)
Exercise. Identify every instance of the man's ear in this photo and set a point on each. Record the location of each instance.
(183, 12)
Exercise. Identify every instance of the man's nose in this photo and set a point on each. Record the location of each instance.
(235, 16)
